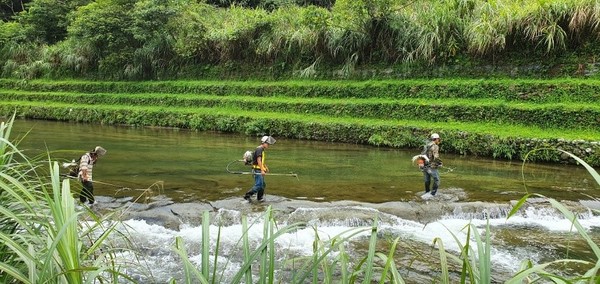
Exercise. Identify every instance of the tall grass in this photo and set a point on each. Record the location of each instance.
(157, 40)
(329, 263)
(42, 237)
(475, 253)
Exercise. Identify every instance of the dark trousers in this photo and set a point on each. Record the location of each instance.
(87, 192)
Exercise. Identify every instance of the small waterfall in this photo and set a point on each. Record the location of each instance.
(534, 233)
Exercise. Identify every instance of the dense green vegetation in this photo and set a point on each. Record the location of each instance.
(557, 116)
(504, 119)
(166, 39)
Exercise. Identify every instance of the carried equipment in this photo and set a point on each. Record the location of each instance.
(252, 172)
(422, 160)
(248, 158)
(73, 168)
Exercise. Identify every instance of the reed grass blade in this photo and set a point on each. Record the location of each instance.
(257, 253)
(522, 276)
(309, 266)
(189, 268)
(315, 256)
(271, 250)
(263, 269)
(445, 278)
(390, 266)
(344, 263)
(246, 249)
(217, 249)
(205, 244)
(483, 250)
(371, 253)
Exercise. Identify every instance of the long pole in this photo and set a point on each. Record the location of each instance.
(269, 174)
(253, 173)
(95, 181)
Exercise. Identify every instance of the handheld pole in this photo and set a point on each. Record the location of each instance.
(253, 173)
(95, 181)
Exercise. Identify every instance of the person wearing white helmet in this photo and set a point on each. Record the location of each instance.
(430, 170)
(260, 169)
(86, 164)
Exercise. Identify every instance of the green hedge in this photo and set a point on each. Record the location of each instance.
(566, 116)
(292, 126)
(542, 91)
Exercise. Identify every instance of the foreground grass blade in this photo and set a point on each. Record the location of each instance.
(483, 250)
(390, 266)
(189, 268)
(371, 254)
(523, 275)
(217, 248)
(308, 267)
(246, 248)
(445, 278)
(205, 243)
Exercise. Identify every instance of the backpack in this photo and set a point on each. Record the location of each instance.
(422, 160)
(73, 167)
(248, 158)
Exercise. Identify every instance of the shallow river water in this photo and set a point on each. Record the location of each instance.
(191, 166)
(339, 186)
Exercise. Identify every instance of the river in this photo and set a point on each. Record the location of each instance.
(338, 186)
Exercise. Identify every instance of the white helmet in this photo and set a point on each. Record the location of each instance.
(99, 151)
(267, 139)
(435, 136)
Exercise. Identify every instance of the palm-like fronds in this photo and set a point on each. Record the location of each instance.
(486, 32)
(294, 33)
(539, 22)
(585, 17)
(435, 30)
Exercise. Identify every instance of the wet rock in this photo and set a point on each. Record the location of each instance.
(169, 216)
(352, 213)
(591, 204)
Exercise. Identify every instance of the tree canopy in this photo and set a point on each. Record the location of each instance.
(145, 39)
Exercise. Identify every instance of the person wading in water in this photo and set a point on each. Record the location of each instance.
(86, 164)
(259, 169)
(430, 170)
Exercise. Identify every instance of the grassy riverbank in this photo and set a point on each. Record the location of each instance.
(495, 118)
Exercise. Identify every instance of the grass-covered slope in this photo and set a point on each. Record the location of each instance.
(497, 118)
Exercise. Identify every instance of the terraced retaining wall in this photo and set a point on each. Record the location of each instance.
(500, 119)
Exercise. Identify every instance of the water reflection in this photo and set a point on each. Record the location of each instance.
(191, 166)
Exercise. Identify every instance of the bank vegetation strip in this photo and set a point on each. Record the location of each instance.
(496, 118)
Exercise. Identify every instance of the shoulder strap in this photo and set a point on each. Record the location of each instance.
(426, 148)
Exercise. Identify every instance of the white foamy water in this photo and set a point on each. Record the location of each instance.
(154, 243)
